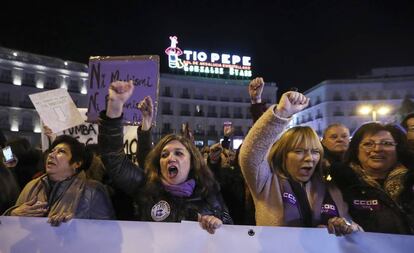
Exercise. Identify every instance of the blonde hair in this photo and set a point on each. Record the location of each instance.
(290, 140)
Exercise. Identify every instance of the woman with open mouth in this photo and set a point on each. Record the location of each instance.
(283, 172)
(64, 191)
(176, 184)
(377, 179)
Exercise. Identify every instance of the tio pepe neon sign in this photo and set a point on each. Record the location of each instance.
(213, 63)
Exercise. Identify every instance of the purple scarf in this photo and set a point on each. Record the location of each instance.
(185, 189)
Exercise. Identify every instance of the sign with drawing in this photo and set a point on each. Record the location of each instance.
(56, 109)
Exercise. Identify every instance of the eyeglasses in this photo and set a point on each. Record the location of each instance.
(370, 145)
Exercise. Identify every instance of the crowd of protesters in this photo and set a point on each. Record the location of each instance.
(278, 176)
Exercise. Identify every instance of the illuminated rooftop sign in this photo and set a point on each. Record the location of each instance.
(192, 61)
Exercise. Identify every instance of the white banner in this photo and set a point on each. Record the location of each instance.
(20, 234)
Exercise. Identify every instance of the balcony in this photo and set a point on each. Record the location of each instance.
(200, 97)
(185, 113)
(238, 116)
(212, 114)
(185, 95)
(167, 94)
(199, 114)
(212, 98)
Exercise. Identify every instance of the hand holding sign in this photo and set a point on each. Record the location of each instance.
(119, 93)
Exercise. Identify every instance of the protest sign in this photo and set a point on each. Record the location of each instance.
(56, 109)
(142, 70)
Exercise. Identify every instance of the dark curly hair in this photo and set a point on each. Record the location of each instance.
(78, 150)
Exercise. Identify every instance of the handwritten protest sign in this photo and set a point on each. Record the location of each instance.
(142, 70)
(87, 133)
(56, 109)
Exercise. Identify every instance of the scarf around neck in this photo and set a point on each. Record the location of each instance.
(185, 189)
(66, 202)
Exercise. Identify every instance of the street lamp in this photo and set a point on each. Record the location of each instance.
(374, 110)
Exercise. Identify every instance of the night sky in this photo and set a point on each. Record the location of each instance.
(293, 43)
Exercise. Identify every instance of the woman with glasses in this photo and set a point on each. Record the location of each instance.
(375, 181)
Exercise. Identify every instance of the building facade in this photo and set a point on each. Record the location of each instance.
(206, 103)
(24, 73)
(340, 101)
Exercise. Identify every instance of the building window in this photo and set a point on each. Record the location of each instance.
(238, 131)
(319, 114)
(167, 92)
(237, 113)
(225, 99)
(185, 110)
(338, 112)
(310, 117)
(366, 96)
(27, 124)
(395, 95)
(4, 120)
(6, 75)
(199, 131)
(248, 113)
(50, 82)
(337, 96)
(185, 93)
(381, 96)
(5, 99)
(211, 111)
(212, 130)
(199, 111)
(29, 79)
(166, 108)
(224, 112)
(166, 128)
(73, 85)
(26, 103)
(353, 96)
(198, 96)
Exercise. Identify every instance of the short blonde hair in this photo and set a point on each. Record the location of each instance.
(290, 140)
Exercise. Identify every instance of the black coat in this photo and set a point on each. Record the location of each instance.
(130, 178)
(372, 208)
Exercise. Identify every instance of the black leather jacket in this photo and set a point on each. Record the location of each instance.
(131, 179)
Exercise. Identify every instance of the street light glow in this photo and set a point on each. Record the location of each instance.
(365, 109)
(374, 110)
(383, 110)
